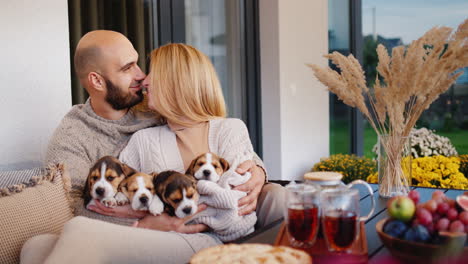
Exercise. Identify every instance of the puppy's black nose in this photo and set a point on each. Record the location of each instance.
(100, 191)
(143, 199)
(206, 172)
(187, 210)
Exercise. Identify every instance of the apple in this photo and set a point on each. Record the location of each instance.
(401, 208)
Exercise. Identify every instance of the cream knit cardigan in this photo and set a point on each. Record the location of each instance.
(155, 149)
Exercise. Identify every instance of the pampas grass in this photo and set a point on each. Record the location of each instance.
(406, 84)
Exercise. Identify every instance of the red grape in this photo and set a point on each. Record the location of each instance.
(431, 206)
(438, 193)
(451, 203)
(457, 226)
(443, 224)
(452, 214)
(442, 208)
(436, 217)
(414, 195)
(463, 216)
(424, 216)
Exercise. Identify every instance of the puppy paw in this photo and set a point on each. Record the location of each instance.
(109, 202)
(156, 207)
(121, 199)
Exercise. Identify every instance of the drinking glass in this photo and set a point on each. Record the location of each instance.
(302, 213)
(340, 216)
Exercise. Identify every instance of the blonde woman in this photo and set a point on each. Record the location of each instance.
(183, 88)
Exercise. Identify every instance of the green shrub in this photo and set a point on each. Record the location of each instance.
(351, 166)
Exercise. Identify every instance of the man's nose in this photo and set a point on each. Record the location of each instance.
(140, 75)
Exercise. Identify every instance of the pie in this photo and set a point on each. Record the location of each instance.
(250, 253)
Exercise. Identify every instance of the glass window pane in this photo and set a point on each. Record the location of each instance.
(214, 27)
(338, 38)
(399, 22)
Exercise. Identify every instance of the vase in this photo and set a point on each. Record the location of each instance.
(394, 163)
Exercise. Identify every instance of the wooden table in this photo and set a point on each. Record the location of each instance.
(377, 252)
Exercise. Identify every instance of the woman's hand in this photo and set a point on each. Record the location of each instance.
(124, 211)
(164, 222)
(253, 186)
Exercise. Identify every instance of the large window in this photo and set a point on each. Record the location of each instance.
(226, 31)
(399, 22)
(393, 23)
(346, 134)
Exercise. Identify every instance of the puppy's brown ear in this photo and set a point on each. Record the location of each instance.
(87, 192)
(191, 167)
(224, 164)
(127, 170)
(153, 175)
(123, 187)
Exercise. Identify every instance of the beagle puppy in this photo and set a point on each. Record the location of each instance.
(139, 190)
(103, 182)
(178, 193)
(211, 167)
(208, 166)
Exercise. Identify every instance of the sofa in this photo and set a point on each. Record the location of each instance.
(42, 220)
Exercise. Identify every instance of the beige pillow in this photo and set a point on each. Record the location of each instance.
(39, 206)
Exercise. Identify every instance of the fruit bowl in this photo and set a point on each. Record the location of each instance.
(414, 252)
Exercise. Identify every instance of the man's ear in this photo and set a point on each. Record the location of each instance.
(96, 81)
(190, 169)
(224, 164)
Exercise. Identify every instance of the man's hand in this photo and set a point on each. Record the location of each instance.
(164, 222)
(253, 186)
(124, 211)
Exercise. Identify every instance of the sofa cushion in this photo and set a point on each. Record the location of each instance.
(38, 206)
(9, 178)
(111, 243)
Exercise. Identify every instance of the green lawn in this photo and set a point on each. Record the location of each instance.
(339, 139)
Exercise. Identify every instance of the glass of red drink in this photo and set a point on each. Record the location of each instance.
(341, 216)
(302, 213)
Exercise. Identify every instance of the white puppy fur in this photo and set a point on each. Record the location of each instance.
(214, 177)
(228, 179)
(156, 206)
(142, 191)
(186, 203)
(108, 198)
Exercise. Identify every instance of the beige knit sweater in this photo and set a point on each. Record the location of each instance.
(83, 137)
(155, 150)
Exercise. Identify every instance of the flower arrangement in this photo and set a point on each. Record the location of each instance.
(410, 80)
(351, 166)
(438, 171)
(425, 143)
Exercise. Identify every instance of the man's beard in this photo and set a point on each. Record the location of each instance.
(120, 101)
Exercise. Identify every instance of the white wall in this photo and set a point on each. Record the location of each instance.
(34, 78)
(294, 104)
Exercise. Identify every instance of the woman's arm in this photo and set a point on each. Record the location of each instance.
(236, 141)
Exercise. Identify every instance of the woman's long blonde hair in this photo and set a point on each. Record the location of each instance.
(186, 88)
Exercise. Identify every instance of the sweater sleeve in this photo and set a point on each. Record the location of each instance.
(235, 144)
(64, 148)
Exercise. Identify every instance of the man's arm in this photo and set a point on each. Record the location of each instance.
(63, 149)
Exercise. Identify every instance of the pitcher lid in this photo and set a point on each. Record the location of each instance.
(323, 176)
